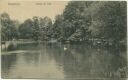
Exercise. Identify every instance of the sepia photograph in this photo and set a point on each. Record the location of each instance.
(63, 40)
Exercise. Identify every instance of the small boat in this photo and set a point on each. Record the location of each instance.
(65, 48)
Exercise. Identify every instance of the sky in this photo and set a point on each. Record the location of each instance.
(21, 10)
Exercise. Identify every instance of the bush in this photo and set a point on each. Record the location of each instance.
(11, 46)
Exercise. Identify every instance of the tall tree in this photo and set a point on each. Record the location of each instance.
(56, 30)
(25, 29)
(36, 28)
(109, 20)
(85, 19)
(8, 29)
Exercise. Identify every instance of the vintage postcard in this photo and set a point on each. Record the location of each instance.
(63, 40)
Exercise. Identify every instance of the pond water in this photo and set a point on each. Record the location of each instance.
(57, 61)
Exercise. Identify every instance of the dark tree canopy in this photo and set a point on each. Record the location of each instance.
(8, 28)
(80, 21)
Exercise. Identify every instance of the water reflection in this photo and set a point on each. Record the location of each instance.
(52, 61)
(7, 62)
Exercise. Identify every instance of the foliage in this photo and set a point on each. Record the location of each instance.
(25, 29)
(80, 21)
(36, 28)
(8, 29)
(109, 20)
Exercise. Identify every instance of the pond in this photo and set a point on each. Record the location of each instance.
(58, 61)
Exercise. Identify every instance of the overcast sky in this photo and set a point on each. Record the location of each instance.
(22, 10)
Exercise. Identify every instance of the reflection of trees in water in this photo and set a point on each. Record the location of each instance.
(84, 61)
(31, 58)
(27, 46)
(78, 61)
(6, 63)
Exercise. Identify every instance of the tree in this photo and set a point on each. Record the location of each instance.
(109, 20)
(73, 20)
(25, 29)
(56, 30)
(8, 29)
(36, 28)
(47, 28)
(85, 19)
